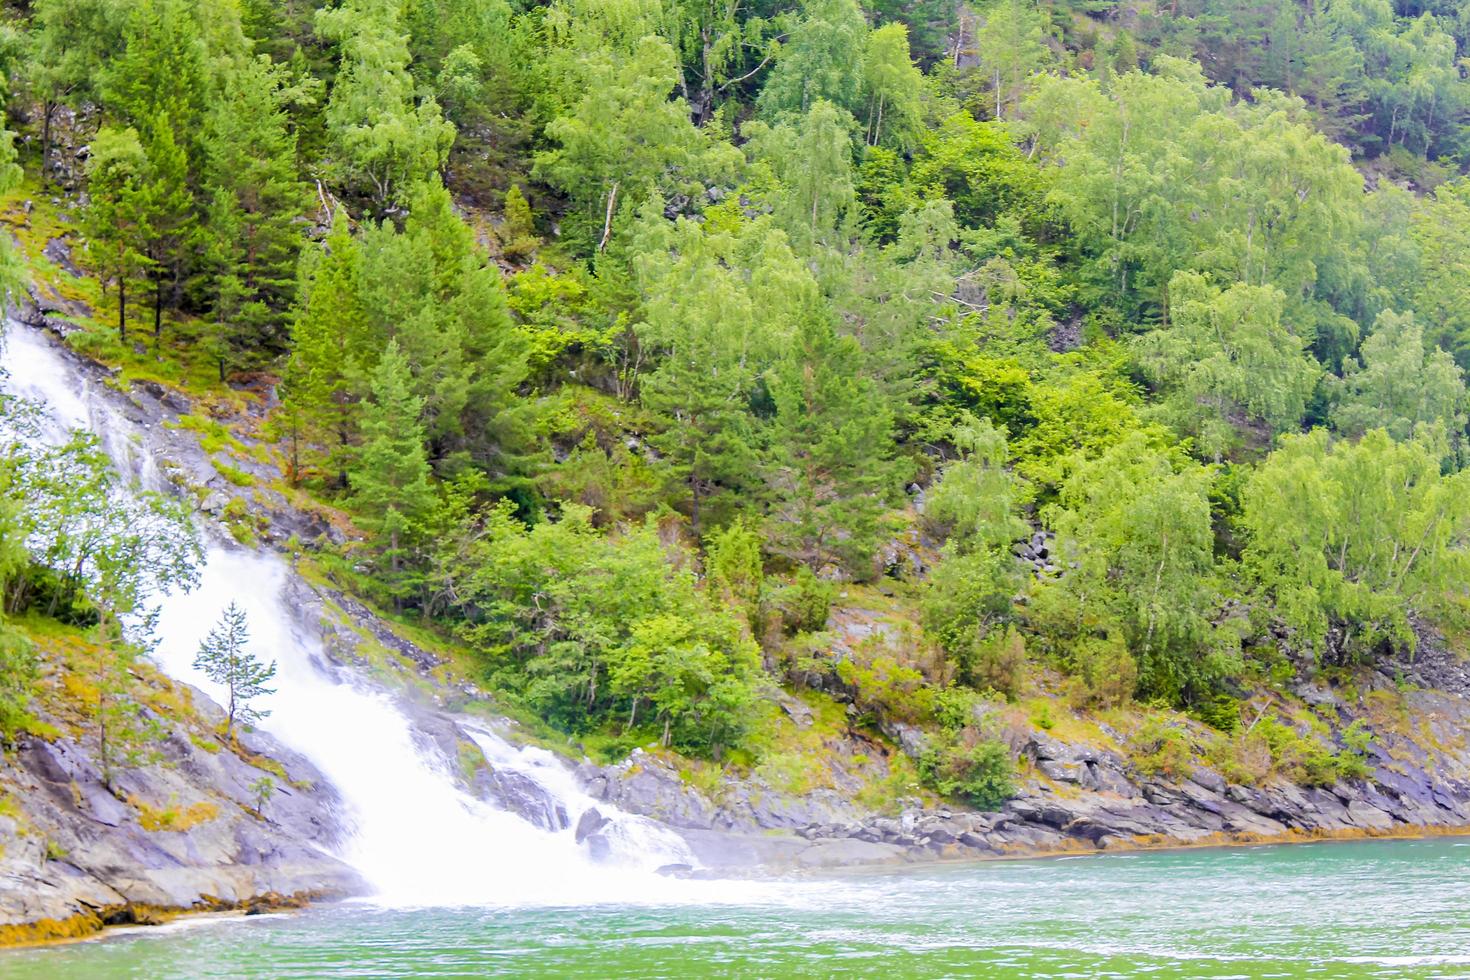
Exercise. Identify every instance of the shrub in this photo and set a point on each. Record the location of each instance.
(1161, 749)
(1300, 757)
(1108, 672)
(998, 662)
(883, 686)
(804, 603)
(733, 567)
(1222, 713)
(967, 597)
(592, 629)
(1243, 757)
(17, 678)
(970, 767)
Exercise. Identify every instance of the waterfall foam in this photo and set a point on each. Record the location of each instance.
(418, 837)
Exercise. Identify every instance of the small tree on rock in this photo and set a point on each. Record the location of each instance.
(225, 660)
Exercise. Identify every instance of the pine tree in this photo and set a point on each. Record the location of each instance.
(255, 201)
(518, 230)
(171, 236)
(434, 290)
(830, 465)
(321, 387)
(114, 221)
(390, 477)
(700, 325)
(160, 69)
(224, 659)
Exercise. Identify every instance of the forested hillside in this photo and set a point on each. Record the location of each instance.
(1114, 348)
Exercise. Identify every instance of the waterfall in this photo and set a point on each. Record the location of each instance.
(413, 832)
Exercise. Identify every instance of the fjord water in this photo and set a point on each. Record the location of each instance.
(1374, 909)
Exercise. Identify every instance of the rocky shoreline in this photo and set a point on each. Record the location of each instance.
(1080, 798)
(185, 833)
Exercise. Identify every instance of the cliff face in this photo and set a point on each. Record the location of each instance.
(191, 829)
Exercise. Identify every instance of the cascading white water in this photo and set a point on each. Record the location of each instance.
(415, 835)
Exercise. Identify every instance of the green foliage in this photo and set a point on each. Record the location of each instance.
(1242, 190)
(115, 222)
(733, 567)
(1011, 47)
(829, 465)
(1160, 748)
(1107, 670)
(1226, 353)
(805, 602)
(591, 630)
(383, 138)
(518, 233)
(1361, 536)
(1138, 528)
(322, 378)
(882, 687)
(816, 62)
(624, 139)
(784, 259)
(17, 656)
(978, 167)
(224, 659)
(1400, 385)
(974, 769)
(261, 792)
(390, 474)
(255, 202)
(894, 87)
(1303, 758)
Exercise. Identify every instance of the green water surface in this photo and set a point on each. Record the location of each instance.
(1378, 909)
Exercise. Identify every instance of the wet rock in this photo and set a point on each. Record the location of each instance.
(523, 796)
(846, 853)
(166, 396)
(590, 823)
(647, 786)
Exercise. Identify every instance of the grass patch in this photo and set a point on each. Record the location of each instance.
(214, 435)
(204, 744)
(172, 817)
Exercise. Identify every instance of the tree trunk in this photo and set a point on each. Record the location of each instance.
(47, 111)
(122, 310)
(102, 739)
(694, 505)
(612, 200)
(157, 311)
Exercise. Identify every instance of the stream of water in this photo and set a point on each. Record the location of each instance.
(414, 834)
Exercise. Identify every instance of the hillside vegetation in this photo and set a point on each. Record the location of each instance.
(1025, 364)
